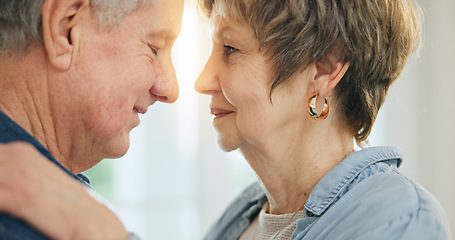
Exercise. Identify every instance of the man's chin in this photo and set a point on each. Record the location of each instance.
(117, 150)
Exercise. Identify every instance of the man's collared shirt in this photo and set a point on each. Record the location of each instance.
(12, 228)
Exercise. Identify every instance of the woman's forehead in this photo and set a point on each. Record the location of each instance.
(223, 29)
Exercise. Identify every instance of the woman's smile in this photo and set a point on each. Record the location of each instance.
(219, 112)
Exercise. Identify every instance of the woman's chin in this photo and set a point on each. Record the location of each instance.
(228, 145)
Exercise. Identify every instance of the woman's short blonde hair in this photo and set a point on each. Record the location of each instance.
(375, 36)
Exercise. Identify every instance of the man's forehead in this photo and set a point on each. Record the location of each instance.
(164, 18)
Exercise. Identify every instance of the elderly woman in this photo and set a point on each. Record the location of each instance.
(293, 84)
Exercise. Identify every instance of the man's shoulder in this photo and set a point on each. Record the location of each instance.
(12, 228)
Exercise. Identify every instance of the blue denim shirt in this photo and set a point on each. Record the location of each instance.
(363, 197)
(12, 228)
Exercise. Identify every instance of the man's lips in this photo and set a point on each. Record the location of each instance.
(218, 112)
(140, 110)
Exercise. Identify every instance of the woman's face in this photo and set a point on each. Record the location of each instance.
(238, 77)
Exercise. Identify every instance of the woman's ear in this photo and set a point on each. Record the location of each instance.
(329, 72)
(58, 20)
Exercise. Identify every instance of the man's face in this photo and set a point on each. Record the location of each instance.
(114, 76)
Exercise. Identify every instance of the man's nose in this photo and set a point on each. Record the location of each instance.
(167, 87)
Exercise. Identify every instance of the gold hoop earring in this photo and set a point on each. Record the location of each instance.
(312, 107)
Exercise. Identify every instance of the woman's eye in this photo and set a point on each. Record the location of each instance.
(229, 50)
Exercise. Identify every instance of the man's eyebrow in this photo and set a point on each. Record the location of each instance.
(163, 33)
(158, 33)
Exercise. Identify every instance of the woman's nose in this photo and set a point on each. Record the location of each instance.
(208, 80)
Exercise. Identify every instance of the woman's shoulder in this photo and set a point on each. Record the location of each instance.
(395, 191)
(381, 189)
(386, 205)
(366, 197)
(391, 203)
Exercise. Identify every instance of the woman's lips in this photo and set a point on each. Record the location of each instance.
(219, 113)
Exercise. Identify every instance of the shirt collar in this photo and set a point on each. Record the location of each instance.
(253, 193)
(335, 183)
(12, 132)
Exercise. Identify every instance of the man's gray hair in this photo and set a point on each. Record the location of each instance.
(21, 20)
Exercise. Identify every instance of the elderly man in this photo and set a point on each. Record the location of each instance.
(74, 77)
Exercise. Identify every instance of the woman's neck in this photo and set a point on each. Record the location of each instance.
(289, 170)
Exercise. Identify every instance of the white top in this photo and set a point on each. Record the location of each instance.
(267, 226)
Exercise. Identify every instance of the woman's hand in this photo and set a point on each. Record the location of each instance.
(34, 189)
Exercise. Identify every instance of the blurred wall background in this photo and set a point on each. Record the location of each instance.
(175, 182)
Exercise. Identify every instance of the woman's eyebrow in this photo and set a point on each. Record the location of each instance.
(221, 33)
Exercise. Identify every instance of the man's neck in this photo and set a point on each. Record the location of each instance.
(24, 96)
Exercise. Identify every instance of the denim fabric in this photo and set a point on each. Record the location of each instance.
(12, 228)
(363, 197)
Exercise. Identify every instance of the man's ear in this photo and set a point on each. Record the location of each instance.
(58, 21)
(329, 73)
